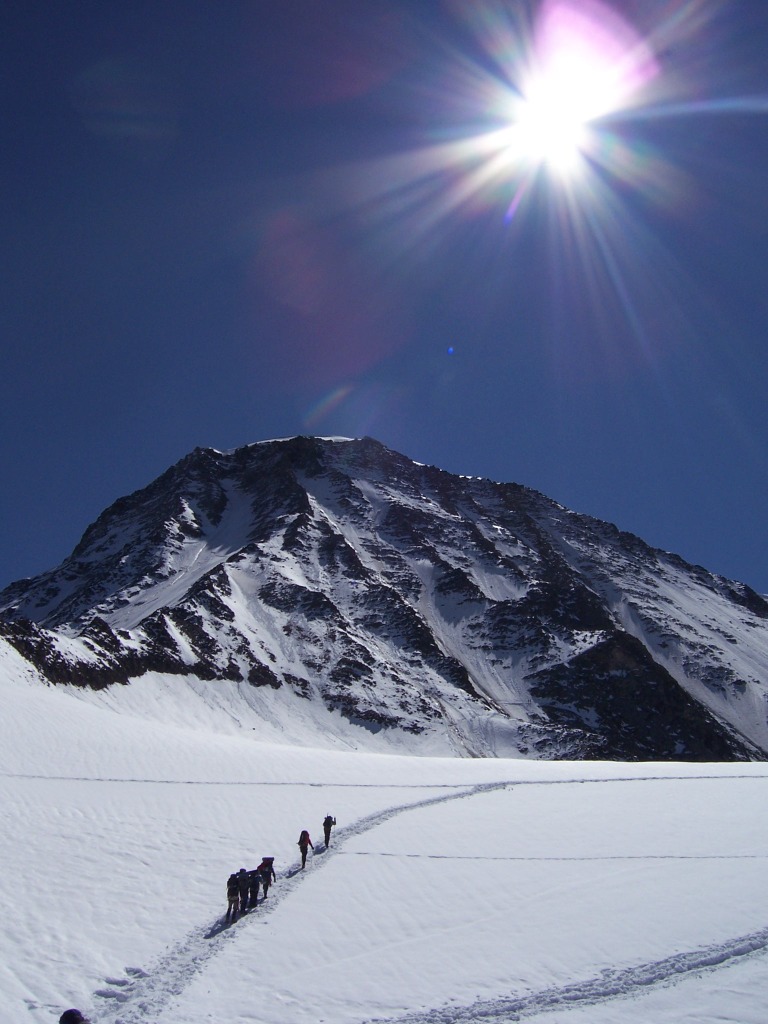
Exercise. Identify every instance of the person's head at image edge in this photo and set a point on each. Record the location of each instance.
(73, 1017)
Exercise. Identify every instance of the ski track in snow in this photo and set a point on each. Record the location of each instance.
(143, 994)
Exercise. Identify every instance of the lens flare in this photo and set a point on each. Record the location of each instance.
(326, 405)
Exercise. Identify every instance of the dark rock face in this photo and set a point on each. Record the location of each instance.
(405, 598)
(636, 709)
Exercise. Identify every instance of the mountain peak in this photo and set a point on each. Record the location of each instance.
(408, 603)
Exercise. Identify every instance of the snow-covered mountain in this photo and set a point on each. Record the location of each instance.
(338, 590)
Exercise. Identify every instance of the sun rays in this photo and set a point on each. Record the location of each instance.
(542, 130)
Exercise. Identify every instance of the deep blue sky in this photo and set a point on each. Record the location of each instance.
(209, 239)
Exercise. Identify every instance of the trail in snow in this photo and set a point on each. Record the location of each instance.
(610, 984)
(143, 994)
(560, 860)
(260, 783)
(386, 785)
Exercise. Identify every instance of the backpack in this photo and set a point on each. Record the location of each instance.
(304, 838)
(233, 887)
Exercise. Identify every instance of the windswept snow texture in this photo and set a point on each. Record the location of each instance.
(339, 587)
(455, 891)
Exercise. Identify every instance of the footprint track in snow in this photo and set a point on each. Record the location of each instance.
(610, 984)
(146, 993)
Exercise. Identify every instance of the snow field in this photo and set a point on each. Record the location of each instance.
(455, 891)
(129, 867)
(408, 916)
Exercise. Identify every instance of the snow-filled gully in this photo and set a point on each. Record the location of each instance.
(141, 995)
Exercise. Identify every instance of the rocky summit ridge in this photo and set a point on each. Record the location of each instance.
(337, 582)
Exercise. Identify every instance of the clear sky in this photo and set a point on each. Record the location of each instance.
(225, 222)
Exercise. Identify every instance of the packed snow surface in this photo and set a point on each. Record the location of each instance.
(454, 891)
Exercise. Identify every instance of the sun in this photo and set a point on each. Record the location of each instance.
(558, 85)
(551, 130)
(585, 63)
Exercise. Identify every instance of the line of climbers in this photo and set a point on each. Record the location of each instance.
(243, 886)
(242, 893)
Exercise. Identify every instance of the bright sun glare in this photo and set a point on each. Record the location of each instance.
(586, 62)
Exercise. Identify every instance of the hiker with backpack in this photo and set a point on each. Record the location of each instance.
(254, 880)
(304, 843)
(267, 871)
(233, 897)
(243, 885)
(328, 823)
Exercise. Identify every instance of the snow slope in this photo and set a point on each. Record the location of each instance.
(455, 890)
